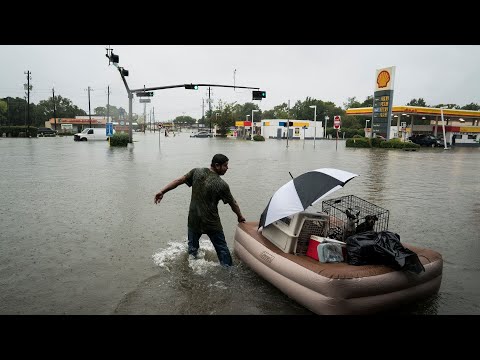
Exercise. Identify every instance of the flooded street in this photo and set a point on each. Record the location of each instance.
(80, 234)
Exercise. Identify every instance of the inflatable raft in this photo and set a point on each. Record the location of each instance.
(337, 288)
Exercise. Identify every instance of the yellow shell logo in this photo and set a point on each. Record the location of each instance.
(382, 79)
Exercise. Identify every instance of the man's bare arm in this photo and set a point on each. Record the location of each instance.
(236, 210)
(170, 186)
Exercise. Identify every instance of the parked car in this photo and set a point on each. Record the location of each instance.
(92, 134)
(43, 131)
(426, 140)
(202, 134)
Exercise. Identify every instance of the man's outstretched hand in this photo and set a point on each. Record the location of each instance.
(158, 197)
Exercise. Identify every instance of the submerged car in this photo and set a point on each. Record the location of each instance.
(202, 134)
(426, 140)
(43, 131)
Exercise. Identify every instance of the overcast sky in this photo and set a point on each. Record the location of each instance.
(436, 73)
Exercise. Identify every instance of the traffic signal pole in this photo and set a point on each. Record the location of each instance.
(115, 59)
(130, 103)
(147, 92)
(210, 112)
(190, 86)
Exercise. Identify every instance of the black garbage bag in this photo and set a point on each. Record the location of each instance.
(383, 248)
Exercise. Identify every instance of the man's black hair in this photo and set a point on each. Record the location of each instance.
(219, 159)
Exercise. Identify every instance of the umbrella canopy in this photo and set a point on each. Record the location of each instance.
(303, 191)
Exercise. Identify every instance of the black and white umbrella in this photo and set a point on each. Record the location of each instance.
(302, 192)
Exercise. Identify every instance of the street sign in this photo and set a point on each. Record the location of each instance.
(145, 100)
(109, 127)
(336, 122)
(145, 93)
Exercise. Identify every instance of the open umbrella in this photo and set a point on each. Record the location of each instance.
(303, 191)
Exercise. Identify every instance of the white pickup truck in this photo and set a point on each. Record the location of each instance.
(91, 134)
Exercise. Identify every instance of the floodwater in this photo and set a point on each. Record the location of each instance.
(80, 234)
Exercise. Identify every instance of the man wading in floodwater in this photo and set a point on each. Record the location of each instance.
(207, 190)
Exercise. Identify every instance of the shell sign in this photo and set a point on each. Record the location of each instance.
(384, 78)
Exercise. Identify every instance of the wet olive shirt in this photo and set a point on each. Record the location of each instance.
(208, 188)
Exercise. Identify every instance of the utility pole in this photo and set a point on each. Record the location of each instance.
(203, 112)
(153, 122)
(54, 109)
(144, 116)
(28, 100)
(210, 108)
(89, 112)
(27, 121)
(25, 112)
(153, 115)
(288, 121)
(108, 104)
(159, 130)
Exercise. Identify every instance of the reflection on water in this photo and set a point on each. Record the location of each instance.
(80, 233)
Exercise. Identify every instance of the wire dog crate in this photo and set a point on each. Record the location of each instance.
(311, 226)
(351, 214)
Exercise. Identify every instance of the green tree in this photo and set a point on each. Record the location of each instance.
(64, 109)
(419, 102)
(113, 111)
(268, 114)
(184, 121)
(352, 103)
(471, 106)
(225, 114)
(356, 121)
(281, 112)
(302, 110)
(448, 106)
(368, 102)
(246, 109)
(100, 110)
(226, 119)
(3, 112)
(16, 113)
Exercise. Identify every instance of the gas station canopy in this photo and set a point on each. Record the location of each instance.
(419, 110)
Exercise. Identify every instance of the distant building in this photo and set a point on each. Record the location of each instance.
(76, 124)
(298, 129)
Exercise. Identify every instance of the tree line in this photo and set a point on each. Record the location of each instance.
(13, 111)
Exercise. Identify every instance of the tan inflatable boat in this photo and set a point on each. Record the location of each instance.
(337, 288)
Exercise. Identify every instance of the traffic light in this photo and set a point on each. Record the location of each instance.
(258, 95)
(113, 58)
(191, 87)
(124, 72)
